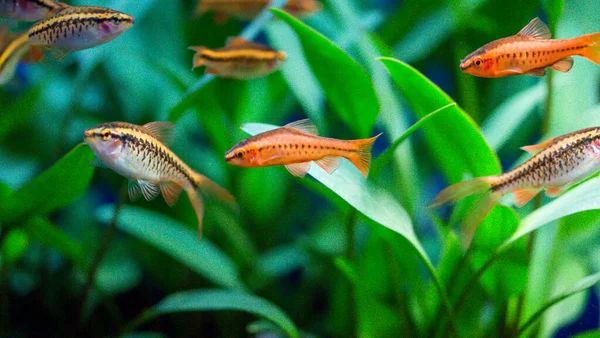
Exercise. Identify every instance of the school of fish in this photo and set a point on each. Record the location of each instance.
(142, 154)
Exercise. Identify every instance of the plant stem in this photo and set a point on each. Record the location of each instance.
(102, 250)
(443, 297)
(350, 255)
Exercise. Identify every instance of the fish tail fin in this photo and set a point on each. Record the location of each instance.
(458, 191)
(362, 154)
(592, 52)
(202, 8)
(198, 59)
(205, 185)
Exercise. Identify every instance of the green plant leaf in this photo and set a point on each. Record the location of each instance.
(455, 142)
(220, 300)
(14, 245)
(46, 233)
(579, 287)
(180, 243)
(346, 84)
(55, 188)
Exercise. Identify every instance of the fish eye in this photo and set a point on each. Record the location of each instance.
(478, 62)
(105, 134)
(239, 154)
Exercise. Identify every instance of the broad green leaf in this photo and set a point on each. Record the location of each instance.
(586, 196)
(14, 245)
(348, 183)
(577, 288)
(179, 242)
(55, 188)
(347, 86)
(49, 234)
(221, 300)
(455, 142)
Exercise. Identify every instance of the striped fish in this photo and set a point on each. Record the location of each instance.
(296, 145)
(249, 9)
(12, 50)
(239, 59)
(140, 153)
(28, 10)
(530, 52)
(76, 28)
(556, 164)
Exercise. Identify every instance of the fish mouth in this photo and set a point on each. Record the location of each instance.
(229, 156)
(87, 134)
(464, 66)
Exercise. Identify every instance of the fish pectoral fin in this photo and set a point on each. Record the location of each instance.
(210, 70)
(554, 191)
(298, 169)
(149, 189)
(537, 72)
(536, 148)
(97, 162)
(305, 126)
(162, 131)
(329, 163)
(522, 196)
(133, 189)
(536, 29)
(58, 54)
(170, 192)
(37, 53)
(563, 65)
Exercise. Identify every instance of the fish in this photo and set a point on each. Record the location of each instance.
(239, 59)
(249, 9)
(530, 52)
(296, 145)
(12, 51)
(28, 10)
(77, 27)
(141, 154)
(556, 164)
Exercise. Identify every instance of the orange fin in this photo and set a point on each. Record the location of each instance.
(329, 163)
(537, 72)
(592, 52)
(170, 192)
(220, 18)
(563, 65)
(472, 220)
(211, 71)
(236, 41)
(298, 169)
(536, 148)
(536, 29)
(198, 59)
(198, 204)
(362, 156)
(37, 53)
(162, 131)
(209, 187)
(461, 190)
(522, 196)
(554, 191)
(202, 8)
(305, 126)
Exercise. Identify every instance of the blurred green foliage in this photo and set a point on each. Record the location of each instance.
(327, 255)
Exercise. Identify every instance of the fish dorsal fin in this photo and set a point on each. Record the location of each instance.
(170, 192)
(298, 169)
(536, 29)
(162, 131)
(522, 196)
(563, 65)
(236, 41)
(329, 163)
(305, 126)
(536, 148)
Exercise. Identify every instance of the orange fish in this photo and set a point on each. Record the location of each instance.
(530, 52)
(239, 59)
(249, 9)
(296, 145)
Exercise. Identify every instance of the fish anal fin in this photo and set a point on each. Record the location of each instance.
(220, 17)
(537, 72)
(305, 126)
(536, 29)
(329, 163)
(162, 131)
(298, 169)
(536, 148)
(524, 195)
(563, 65)
(210, 70)
(362, 155)
(170, 192)
(149, 189)
(554, 191)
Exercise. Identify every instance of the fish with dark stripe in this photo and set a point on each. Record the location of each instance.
(249, 9)
(556, 164)
(78, 27)
(140, 153)
(28, 10)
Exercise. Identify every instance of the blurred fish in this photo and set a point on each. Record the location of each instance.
(296, 145)
(556, 164)
(12, 50)
(28, 10)
(140, 153)
(76, 28)
(248, 9)
(530, 52)
(239, 59)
